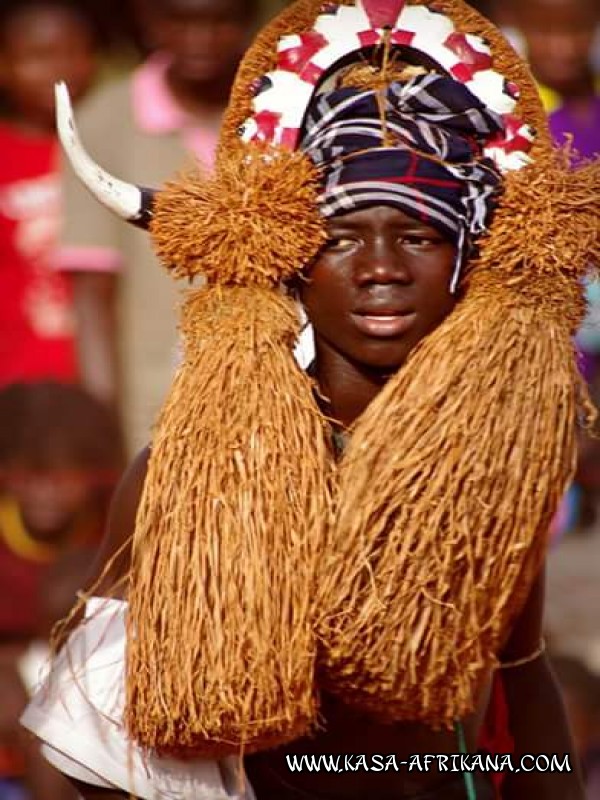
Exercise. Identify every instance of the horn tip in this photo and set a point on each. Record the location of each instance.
(61, 92)
(64, 109)
(64, 113)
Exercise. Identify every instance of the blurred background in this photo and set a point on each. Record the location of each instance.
(88, 343)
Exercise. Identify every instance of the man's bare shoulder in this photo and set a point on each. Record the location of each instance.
(114, 557)
(525, 635)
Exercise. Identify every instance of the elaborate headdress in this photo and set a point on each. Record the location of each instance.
(395, 575)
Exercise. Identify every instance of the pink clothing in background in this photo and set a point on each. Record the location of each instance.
(157, 113)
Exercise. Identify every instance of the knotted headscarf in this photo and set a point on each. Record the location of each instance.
(417, 145)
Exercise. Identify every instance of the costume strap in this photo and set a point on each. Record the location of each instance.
(520, 662)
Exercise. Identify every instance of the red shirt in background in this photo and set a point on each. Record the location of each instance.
(36, 315)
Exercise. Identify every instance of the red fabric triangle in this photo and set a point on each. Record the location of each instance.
(383, 12)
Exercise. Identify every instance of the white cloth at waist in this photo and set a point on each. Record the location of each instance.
(77, 713)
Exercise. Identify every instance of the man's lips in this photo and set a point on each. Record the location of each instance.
(383, 324)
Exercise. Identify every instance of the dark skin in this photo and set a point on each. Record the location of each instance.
(49, 499)
(39, 46)
(377, 288)
(378, 262)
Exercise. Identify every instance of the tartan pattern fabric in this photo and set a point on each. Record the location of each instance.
(428, 160)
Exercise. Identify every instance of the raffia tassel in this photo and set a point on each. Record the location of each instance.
(261, 205)
(446, 492)
(220, 628)
(547, 222)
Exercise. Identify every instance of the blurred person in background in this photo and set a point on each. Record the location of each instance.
(559, 39)
(151, 123)
(40, 42)
(60, 457)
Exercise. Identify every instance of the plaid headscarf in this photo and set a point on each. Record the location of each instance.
(428, 162)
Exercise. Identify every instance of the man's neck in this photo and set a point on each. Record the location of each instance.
(346, 388)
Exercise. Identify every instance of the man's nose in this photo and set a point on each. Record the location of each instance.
(382, 262)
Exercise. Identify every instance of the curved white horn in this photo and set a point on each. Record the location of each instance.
(127, 200)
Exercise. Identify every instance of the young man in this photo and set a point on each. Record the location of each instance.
(338, 566)
(380, 284)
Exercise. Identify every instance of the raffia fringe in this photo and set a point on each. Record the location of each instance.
(546, 234)
(261, 206)
(449, 485)
(220, 628)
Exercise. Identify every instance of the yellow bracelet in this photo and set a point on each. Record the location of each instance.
(519, 662)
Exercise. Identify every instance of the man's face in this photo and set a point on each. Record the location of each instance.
(378, 286)
(205, 38)
(48, 499)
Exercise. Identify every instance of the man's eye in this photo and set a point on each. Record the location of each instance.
(338, 243)
(419, 240)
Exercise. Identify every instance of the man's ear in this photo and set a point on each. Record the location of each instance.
(293, 286)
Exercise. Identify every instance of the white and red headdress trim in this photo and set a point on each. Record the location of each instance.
(282, 96)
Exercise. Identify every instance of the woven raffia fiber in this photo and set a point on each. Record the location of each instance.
(455, 470)
(261, 205)
(239, 469)
(449, 484)
(221, 645)
(443, 508)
